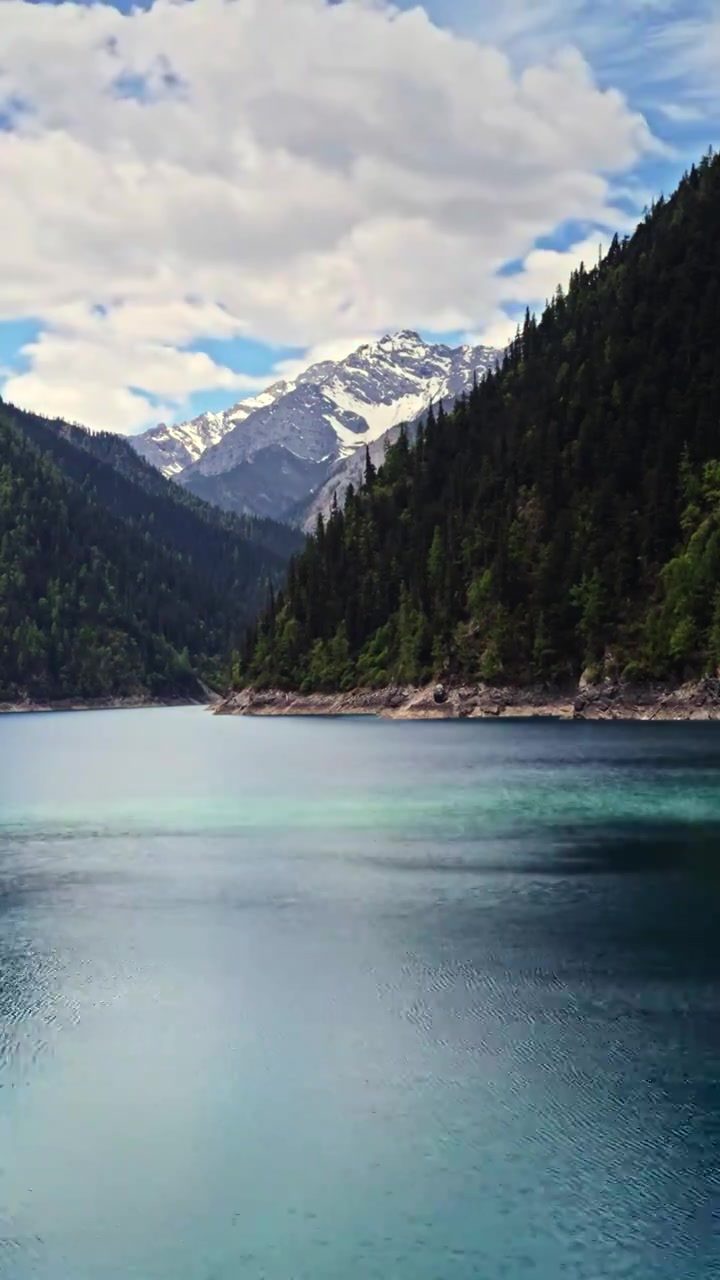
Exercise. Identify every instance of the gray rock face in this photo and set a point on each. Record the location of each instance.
(324, 418)
(351, 470)
(274, 482)
(298, 422)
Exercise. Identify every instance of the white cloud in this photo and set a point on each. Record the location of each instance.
(334, 349)
(291, 171)
(497, 332)
(613, 33)
(94, 365)
(534, 284)
(544, 269)
(680, 112)
(690, 52)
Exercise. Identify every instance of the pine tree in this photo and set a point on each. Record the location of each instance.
(370, 469)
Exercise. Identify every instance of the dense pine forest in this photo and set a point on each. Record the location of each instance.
(113, 581)
(564, 518)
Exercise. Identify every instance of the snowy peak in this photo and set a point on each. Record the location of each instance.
(378, 386)
(325, 415)
(356, 399)
(174, 448)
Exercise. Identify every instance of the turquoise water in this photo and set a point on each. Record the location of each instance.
(346, 999)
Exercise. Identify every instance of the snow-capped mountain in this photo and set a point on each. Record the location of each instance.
(173, 448)
(270, 455)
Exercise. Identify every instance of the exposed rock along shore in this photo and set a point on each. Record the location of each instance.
(699, 700)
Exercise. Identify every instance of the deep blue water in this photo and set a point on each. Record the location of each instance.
(347, 999)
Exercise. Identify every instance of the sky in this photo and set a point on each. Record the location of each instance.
(200, 196)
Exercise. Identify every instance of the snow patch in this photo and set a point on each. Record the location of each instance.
(380, 385)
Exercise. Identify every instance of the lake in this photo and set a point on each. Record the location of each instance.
(344, 999)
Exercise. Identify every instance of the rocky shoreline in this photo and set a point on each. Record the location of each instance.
(699, 700)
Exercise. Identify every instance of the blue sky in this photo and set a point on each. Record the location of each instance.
(204, 196)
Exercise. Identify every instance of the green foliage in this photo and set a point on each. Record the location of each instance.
(686, 622)
(565, 516)
(412, 640)
(373, 664)
(112, 580)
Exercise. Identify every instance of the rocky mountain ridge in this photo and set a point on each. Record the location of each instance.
(272, 454)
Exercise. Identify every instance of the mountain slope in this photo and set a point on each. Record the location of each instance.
(111, 580)
(565, 517)
(350, 470)
(274, 481)
(275, 451)
(134, 489)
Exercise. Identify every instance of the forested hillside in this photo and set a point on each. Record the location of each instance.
(132, 488)
(566, 515)
(112, 581)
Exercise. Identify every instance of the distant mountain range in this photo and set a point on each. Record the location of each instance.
(285, 452)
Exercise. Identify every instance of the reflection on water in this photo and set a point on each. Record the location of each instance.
(330, 998)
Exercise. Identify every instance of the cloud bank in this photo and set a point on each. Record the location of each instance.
(289, 171)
